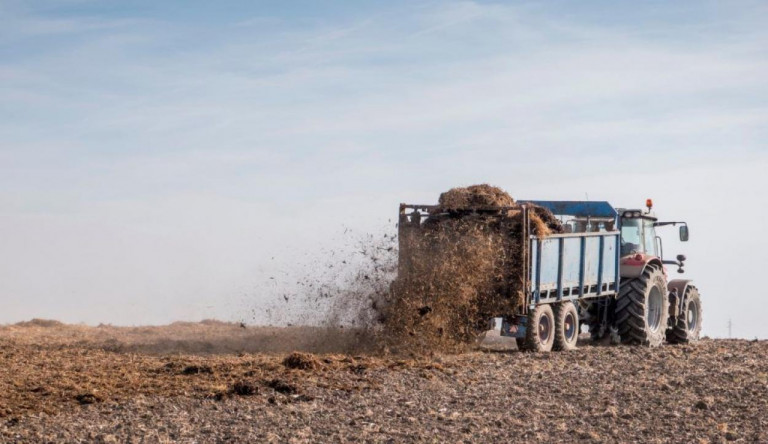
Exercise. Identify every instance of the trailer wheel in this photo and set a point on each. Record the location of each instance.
(687, 326)
(566, 326)
(540, 329)
(642, 309)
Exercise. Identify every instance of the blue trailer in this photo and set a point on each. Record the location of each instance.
(579, 265)
(595, 273)
(575, 265)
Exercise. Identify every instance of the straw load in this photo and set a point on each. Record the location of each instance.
(463, 265)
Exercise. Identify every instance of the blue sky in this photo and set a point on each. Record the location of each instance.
(154, 156)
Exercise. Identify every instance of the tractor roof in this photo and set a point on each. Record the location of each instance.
(636, 213)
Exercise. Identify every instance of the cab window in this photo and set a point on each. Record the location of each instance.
(650, 238)
(631, 236)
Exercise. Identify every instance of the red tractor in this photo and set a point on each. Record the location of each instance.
(649, 307)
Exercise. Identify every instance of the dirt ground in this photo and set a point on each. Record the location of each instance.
(216, 382)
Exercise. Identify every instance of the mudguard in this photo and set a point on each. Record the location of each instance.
(633, 265)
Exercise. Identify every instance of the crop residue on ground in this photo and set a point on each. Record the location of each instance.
(74, 383)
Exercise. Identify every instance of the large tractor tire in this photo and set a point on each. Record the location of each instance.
(687, 325)
(540, 329)
(566, 326)
(642, 308)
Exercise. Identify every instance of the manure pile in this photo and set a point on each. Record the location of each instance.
(458, 268)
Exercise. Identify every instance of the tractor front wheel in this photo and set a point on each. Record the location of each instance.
(688, 323)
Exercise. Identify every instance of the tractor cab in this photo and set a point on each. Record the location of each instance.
(640, 245)
(638, 232)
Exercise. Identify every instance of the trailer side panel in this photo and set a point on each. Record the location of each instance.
(573, 266)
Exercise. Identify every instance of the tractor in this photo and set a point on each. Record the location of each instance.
(650, 306)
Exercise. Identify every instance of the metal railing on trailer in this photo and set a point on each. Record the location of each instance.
(572, 266)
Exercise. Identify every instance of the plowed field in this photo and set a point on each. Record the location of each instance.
(215, 382)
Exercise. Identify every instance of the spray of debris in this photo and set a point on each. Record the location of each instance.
(453, 272)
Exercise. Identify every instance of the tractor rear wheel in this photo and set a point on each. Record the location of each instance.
(642, 308)
(688, 323)
(540, 329)
(566, 326)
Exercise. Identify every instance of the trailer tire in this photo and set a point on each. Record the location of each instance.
(687, 325)
(566, 326)
(540, 329)
(642, 309)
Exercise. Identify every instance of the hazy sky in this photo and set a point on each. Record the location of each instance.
(156, 156)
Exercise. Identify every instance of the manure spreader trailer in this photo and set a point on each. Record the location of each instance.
(606, 270)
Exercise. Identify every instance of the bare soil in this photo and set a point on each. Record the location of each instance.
(208, 382)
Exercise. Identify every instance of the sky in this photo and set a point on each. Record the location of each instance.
(162, 161)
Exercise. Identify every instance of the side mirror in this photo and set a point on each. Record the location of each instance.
(684, 233)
